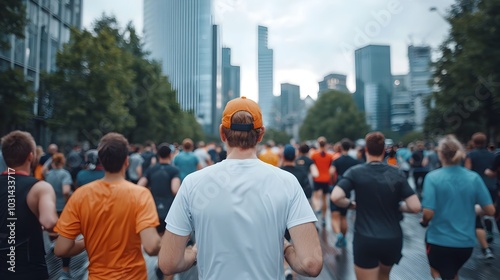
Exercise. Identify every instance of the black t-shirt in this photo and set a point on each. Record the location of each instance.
(379, 189)
(495, 166)
(304, 163)
(481, 159)
(343, 163)
(418, 158)
(159, 181)
(302, 177)
(147, 156)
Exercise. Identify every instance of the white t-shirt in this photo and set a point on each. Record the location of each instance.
(239, 210)
(203, 156)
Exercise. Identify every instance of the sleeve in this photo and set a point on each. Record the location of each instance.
(496, 163)
(69, 224)
(483, 196)
(174, 173)
(147, 173)
(429, 194)
(146, 214)
(67, 179)
(299, 211)
(347, 181)
(179, 219)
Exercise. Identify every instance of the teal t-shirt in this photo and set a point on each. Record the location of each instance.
(452, 192)
(186, 162)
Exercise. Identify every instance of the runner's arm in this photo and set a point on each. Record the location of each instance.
(490, 173)
(42, 202)
(338, 197)
(468, 163)
(175, 185)
(427, 217)
(174, 256)
(411, 205)
(150, 241)
(143, 182)
(66, 247)
(314, 170)
(305, 255)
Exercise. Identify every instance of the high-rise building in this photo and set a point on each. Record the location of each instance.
(374, 85)
(402, 112)
(179, 34)
(230, 79)
(265, 75)
(333, 82)
(217, 105)
(420, 74)
(290, 109)
(48, 28)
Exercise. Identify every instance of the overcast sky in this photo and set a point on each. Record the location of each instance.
(310, 38)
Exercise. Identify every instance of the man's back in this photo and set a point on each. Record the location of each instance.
(110, 216)
(379, 188)
(239, 218)
(481, 159)
(186, 162)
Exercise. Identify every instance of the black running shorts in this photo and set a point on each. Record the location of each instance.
(325, 187)
(369, 252)
(447, 260)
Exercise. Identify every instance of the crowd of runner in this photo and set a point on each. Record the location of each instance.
(186, 211)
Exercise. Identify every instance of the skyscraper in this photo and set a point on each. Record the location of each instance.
(179, 34)
(265, 74)
(290, 109)
(230, 78)
(402, 113)
(333, 82)
(216, 110)
(374, 85)
(420, 74)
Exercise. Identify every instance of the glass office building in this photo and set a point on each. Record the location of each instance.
(420, 74)
(265, 75)
(179, 34)
(374, 85)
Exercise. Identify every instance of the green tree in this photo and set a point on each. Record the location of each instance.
(12, 20)
(468, 73)
(105, 82)
(335, 116)
(16, 100)
(278, 136)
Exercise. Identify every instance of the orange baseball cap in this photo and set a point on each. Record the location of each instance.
(242, 104)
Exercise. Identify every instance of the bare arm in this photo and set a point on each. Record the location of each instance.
(138, 169)
(175, 184)
(66, 247)
(143, 182)
(174, 256)
(305, 255)
(411, 205)
(150, 241)
(427, 217)
(314, 170)
(488, 210)
(66, 190)
(338, 197)
(198, 166)
(42, 202)
(468, 163)
(490, 173)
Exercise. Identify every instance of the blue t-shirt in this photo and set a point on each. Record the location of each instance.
(87, 176)
(452, 192)
(186, 162)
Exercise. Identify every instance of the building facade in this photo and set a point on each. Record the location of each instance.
(179, 34)
(265, 61)
(333, 82)
(217, 105)
(290, 109)
(420, 74)
(402, 112)
(373, 77)
(47, 30)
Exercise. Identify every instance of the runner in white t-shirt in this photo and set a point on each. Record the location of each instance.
(239, 210)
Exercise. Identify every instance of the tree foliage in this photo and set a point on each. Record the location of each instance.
(468, 73)
(105, 82)
(279, 137)
(12, 20)
(335, 116)
(16, 100)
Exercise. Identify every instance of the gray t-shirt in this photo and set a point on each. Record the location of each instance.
(58, 178)
(135, 160)
(239, 211)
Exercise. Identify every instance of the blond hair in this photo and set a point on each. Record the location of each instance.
(450, 150)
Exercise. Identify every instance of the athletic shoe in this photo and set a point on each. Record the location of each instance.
(341, 243)
(488, 254)
(288, 274)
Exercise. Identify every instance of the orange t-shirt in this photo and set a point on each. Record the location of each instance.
(110, 217)
(270, 157)
(323, 162)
